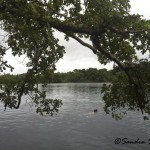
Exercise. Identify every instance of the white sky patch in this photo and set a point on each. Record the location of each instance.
(77, 57)
(19, 63)
(141, 7)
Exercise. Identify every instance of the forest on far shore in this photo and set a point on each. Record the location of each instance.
(76, 76)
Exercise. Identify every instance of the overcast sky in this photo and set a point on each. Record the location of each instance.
(77, 56)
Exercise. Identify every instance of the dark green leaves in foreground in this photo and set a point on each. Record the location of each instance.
(44, 105)
(11, 87)
(121, 96)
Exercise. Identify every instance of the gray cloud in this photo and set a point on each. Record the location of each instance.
(141, 7)
(77, 57)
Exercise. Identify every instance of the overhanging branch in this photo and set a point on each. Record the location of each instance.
(83, 43)
(76, 28)
(100, 49)
(124, 32)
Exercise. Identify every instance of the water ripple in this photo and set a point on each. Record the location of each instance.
(74, 127)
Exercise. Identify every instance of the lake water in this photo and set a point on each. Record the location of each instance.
(74, 127)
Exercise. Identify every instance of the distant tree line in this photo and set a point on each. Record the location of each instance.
(76, 76)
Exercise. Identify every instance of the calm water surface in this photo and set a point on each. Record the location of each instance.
(74, 127)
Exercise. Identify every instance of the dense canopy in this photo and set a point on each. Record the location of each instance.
(104, 26)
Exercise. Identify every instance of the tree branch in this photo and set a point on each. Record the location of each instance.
(80, 28)
(102, 50)
(83, 43)
(60, 25)
(124, 32)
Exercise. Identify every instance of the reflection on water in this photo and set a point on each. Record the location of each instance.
(74, 127)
